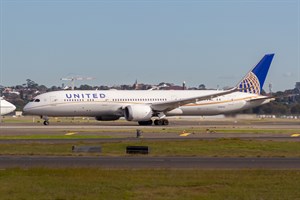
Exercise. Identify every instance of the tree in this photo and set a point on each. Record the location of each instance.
(85, 87)
(295, 109)
(202, 87)
(31, 84)
(54, 88)
(19, 103)
(42, 88)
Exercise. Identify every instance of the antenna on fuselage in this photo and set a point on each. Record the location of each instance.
(76, 78)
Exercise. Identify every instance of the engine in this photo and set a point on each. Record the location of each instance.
(107, 118)
(138, 113)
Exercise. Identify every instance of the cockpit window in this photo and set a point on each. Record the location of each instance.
(32, 100)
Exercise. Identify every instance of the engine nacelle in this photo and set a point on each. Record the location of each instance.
(107, 118)
(138, 113)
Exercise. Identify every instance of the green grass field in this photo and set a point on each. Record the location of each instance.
(160, 184)
(205, 148)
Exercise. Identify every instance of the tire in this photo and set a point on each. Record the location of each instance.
(159, 122)
(145, 123)
(165, 122)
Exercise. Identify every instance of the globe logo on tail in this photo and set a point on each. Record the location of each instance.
(250, 84)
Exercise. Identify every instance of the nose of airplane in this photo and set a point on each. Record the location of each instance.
(26, 109)
(7, 107)
(13, 107)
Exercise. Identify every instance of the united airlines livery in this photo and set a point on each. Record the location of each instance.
(144, 106)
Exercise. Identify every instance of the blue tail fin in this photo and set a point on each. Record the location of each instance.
(254, 81)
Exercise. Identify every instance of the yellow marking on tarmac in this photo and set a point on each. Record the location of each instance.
(295, 135)
(71, 133)
(184, 134)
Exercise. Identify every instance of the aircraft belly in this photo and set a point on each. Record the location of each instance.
(81, 110)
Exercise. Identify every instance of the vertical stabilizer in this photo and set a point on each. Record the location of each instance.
(254, 81)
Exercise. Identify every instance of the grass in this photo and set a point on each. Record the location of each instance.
(204, 148)
(215, 148)
(160, 184)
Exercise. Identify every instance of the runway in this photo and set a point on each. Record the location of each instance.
(138, 162)
(149, 133)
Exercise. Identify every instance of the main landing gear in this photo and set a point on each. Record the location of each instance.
(46, 120)
(145, 123)
(161, 122)
(157, 122)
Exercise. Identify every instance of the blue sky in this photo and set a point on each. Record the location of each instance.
(117, 42)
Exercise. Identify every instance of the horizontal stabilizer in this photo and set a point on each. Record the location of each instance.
(263, 98)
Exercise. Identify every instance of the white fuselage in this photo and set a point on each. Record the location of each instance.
(6, 107)
(111, 102)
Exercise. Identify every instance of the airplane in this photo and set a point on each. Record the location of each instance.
(6, 107)
(143, 106)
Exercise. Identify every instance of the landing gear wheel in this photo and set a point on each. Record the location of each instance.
(157, 122)
(161, 122)
(145, 123)
(165, 122)
(46, 119)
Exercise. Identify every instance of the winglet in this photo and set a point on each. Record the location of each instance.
(253, 82)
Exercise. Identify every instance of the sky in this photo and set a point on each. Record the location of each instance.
(117, 42)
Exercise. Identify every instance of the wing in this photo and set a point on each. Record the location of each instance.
(170, 105)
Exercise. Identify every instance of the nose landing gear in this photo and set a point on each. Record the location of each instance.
(46, 120)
